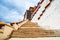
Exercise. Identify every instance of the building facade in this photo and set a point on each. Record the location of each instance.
(48, 15)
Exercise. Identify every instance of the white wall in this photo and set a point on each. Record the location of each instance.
(51, 17)
(35, 18)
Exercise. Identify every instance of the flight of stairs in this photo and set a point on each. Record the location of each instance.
(31, 30)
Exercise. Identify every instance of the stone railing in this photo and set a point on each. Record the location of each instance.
(8, 29)
(5, 32)
(18, 25)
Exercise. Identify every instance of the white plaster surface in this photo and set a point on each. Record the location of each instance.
(50, 18)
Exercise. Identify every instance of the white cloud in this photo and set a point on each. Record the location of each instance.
(10, 15)
(13, 14)
(24, 4)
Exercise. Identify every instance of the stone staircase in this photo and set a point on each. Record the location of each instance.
(30, 24)
(31, 30)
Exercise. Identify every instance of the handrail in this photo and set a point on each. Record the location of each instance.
(35, 11)
(23, 22)
(1, 31)
(45, 9)
(38, 6)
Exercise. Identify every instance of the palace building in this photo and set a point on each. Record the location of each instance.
(42, 20)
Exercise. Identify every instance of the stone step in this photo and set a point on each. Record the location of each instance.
(31, 32)
(30, 24)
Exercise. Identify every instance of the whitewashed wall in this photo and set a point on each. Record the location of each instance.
(51, 17)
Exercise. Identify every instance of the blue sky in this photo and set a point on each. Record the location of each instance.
(13, 10)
